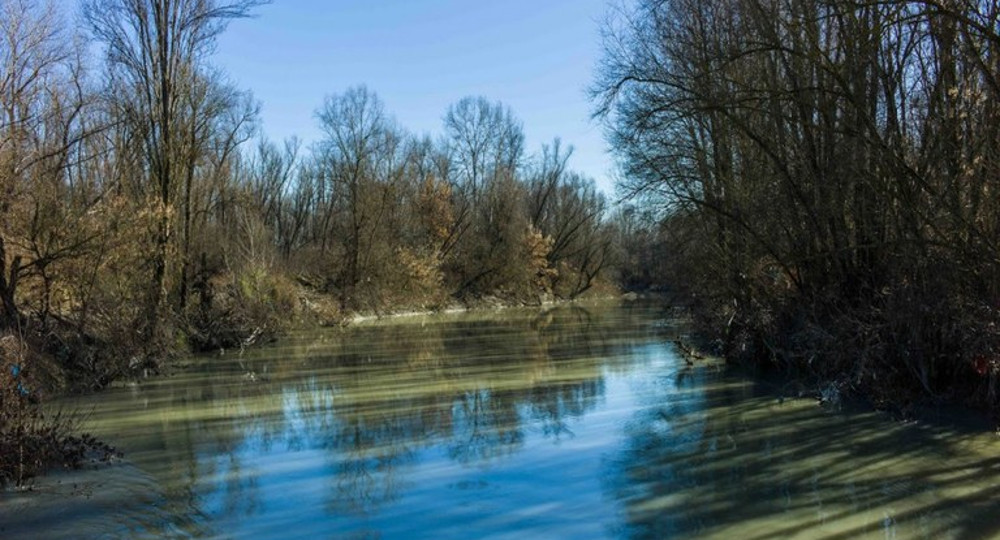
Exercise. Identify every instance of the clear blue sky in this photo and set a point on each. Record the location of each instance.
(421, 56)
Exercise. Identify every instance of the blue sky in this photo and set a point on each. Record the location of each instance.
(421, 56)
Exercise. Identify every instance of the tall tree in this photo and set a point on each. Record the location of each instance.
(486, 146)
(44, 108)
(157, 52)
(361, 158)
(567, 209)
(843, 157)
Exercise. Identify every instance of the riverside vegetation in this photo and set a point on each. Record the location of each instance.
(815, 179)
(142, 215)
(825, 175)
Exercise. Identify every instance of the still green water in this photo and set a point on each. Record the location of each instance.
(570, 422)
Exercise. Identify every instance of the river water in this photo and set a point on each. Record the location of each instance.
(568, 422)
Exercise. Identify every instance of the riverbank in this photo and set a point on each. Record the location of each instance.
(860, 352)
(490, 303)
(33, 440)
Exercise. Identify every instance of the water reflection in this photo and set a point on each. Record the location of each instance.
(570, 422)
(340, 421)
(725, 457)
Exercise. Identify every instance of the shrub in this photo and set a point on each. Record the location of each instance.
(32, 439)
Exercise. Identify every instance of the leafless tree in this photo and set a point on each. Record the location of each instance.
(156, 55)
(361, 158)
(46, 118)
(842, 156)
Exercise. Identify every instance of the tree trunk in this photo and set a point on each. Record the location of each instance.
(10, 316)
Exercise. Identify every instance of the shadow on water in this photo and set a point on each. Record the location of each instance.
(727, 457)
(568, 422)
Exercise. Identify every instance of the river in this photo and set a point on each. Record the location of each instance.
(566, 422)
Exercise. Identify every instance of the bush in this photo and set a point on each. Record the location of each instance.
(240, 307)
(32, 440)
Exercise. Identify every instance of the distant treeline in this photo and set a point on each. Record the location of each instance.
(827, 178)
(141, 212)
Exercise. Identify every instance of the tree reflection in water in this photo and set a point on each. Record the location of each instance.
(374, 400)
(569, 421)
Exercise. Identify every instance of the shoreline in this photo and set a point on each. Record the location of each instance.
(491, 305)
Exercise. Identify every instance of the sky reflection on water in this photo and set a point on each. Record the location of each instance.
(567, 422)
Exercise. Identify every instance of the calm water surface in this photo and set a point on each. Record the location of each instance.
(572, 422)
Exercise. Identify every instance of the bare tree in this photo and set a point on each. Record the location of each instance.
(156, 53)
(45, 102)
(841, 157)
(273, 186)
(486, 146)
(486, 140)
(567, 209)
(361, 157)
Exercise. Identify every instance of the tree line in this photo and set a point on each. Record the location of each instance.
(824, 175)
(141, 211)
